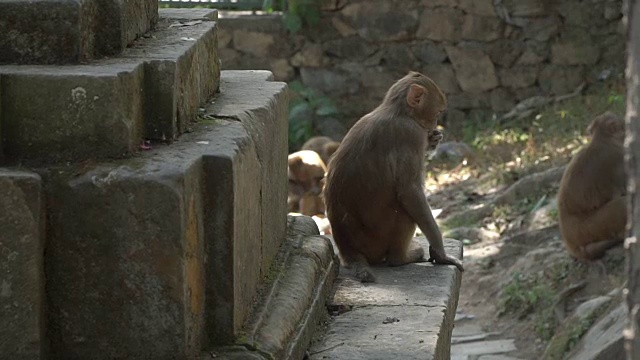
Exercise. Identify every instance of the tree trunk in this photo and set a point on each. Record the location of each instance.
(632, 335)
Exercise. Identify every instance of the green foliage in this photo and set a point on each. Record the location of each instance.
(524, 296)
(298, 13)
(306, 104)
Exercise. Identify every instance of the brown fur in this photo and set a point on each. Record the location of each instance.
(374, 188)
(306, 174)
(592, 204)
(323, 145)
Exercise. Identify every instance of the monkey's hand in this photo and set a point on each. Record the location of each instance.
(443, 259)
(434, 138)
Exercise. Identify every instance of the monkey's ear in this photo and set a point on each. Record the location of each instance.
(416, 92)
(295, 162)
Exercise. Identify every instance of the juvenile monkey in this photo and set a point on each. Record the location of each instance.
(374, 188)
(323, 145)
(306, 173)
(592, 204)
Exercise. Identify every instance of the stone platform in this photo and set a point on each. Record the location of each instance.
(407, 314)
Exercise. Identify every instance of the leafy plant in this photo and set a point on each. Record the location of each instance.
(297, 13)
(306, 104)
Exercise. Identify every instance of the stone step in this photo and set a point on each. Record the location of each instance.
(153, 90)
(293, 299)
(163, 252)
(22, 301)
(407, 314)
(70, 31)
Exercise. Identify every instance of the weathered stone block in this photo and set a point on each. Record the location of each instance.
(525, 7)
(253, 42)
(574, 54)
(502, 100)
(441, 24)
(481, 28)
(444, 76)
(144, 252)
(560, 80)
(478, 7)
(179, 75)
(382, 20)
(336, 82)
(47, 32)
(71, 31)
(74, 112)
(398, 57)
(188, 14)
(22, 298)
(519, 76)
(429, 53)
(122, 21)
(261, 106)
(353, 48)
(505, 52)
(152, 90)
(470, 100)
(474, 69)
(312, 54)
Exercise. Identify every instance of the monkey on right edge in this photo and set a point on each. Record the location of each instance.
(592, 200)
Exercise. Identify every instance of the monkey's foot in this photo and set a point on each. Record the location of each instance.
(364, 273)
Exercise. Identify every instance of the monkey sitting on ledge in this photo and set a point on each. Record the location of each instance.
(374, 188)
(592, 204)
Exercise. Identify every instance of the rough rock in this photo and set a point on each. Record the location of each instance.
(574, 54)
(605, 339)
(22, 296)
(542, 29)
(578, 322)
(261, 106)
(444, 76)
(283, 322)
(335, 82)
(525, 7)
(351, 47)
(105, 109)
(474, 69)
(478, 7)
(559, 80)
(311, 55)
(470, 100)
(481, 28)
(407, 314)
(440, 24)
(253, 42)
(502, 100)
(429, 53)
(71, 31)
(381, 20)
(518, 76)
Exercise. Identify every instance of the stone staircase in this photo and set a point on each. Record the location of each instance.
(143, 192)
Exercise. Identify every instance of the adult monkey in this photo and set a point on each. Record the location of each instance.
(374, 190)
(592, 204)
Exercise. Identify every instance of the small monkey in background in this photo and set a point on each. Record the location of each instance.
(306, 174)
(592, 203)
(374, 189)
(323, 145)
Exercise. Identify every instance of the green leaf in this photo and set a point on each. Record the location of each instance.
(293, 22)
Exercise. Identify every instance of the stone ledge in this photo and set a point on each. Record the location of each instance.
(283, 321)
(144, 252)
(22, 298)
(422, 297)
(70, 31)
(261, 105)
(103, 110)
(189, 14)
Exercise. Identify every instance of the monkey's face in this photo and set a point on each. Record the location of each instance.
(306, 172)
(426, 99)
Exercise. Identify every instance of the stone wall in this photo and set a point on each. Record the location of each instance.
(486, 54)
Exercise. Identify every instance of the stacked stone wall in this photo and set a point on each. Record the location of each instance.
(486, 54)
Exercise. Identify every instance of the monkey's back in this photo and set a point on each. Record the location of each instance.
(360, 187)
